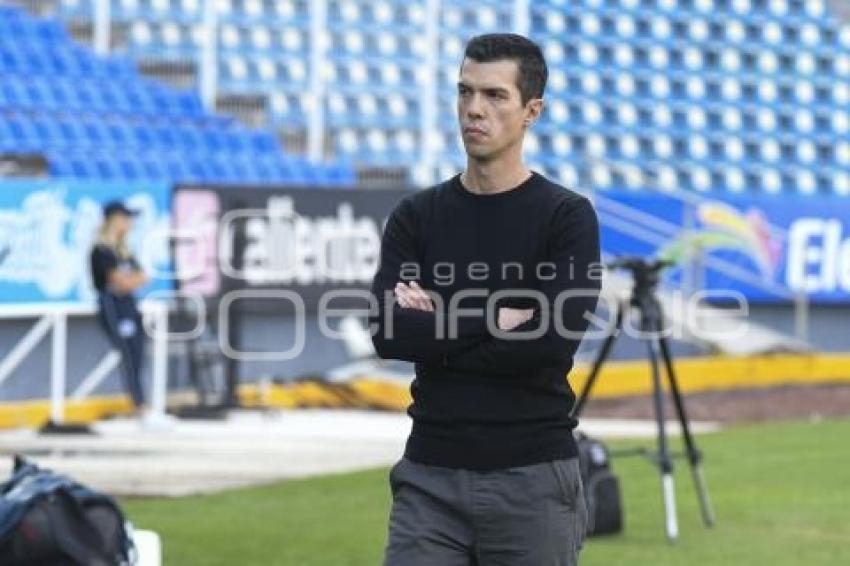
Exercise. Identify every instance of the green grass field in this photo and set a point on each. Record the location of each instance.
(781, 493)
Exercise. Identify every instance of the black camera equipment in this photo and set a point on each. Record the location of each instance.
(646, 275)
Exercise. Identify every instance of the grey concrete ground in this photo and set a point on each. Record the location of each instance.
(249, 448)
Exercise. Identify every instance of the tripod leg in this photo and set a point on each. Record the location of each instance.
(694, 455)
(665, 462)
(597, 363)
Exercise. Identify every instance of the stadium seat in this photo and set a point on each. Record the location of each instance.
(54, 99)
(627, 82)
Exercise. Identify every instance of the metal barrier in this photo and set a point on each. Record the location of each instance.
(53, 318)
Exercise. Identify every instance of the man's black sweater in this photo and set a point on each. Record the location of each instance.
(483, 401)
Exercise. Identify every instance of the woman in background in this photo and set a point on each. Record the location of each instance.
(117, 275)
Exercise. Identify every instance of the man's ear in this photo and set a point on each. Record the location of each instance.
(534, 108)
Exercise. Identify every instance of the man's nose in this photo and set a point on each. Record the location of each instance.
(473, 107)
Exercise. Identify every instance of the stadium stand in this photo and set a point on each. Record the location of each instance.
(722, 96)
(97, 118)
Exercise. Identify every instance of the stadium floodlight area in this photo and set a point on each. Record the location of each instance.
(712, 96)
(97, 118)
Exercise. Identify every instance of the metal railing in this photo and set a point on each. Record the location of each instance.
(53, 318)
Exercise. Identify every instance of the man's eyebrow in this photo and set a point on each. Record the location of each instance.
(491, 89)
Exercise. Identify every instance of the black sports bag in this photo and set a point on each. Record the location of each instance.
(601, 487)
(47, 519)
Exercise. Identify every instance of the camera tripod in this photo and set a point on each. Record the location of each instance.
(646, 276)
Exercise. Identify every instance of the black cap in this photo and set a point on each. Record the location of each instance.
(117, 207)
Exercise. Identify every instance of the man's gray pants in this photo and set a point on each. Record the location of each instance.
(525, 516)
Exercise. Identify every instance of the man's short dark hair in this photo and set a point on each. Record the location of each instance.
(531, 66)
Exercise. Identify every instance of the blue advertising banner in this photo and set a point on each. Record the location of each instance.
(46, 232)
(763, 246)
(776, 245)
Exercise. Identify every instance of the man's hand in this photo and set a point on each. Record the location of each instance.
(412, 296)
(511, 318)
(127, 281)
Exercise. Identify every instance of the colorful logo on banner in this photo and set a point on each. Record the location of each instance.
(775, 246)
(725, 227)
(47, 229)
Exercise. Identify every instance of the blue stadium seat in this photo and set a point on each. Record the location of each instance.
(7, 137)
(164, 137)
(152, 168)
(188, 137)
(119, 134)
(10, 95)
(143, 136)
(95, 133)
(86, 167)
(263, 141)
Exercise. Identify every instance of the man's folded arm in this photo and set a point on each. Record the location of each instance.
(411, 334)
(574, 250)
